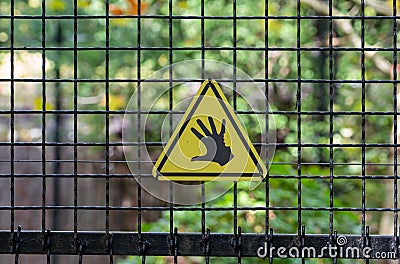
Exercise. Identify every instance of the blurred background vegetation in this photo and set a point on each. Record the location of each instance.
(282, 66)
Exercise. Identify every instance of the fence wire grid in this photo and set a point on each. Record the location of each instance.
(328, 68)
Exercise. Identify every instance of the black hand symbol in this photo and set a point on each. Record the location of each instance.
(214, 142)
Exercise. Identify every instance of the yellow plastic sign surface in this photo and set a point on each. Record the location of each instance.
(209, 143)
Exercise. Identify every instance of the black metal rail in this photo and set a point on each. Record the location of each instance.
(192, 244)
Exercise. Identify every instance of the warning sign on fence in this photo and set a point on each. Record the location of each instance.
(209, 143)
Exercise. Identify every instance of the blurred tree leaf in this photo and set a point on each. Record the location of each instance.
(57, 5)
(38, 104)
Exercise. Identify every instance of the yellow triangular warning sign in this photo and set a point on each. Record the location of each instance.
(209, 143)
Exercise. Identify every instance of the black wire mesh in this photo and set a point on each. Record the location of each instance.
(51, 238)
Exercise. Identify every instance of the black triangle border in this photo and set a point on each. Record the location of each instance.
(175, 140)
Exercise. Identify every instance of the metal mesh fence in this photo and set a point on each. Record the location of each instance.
(69, 68)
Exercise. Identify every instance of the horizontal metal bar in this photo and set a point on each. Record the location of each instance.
(144, 175)
(183, 208)
(194, 48)
(256, 144)
(70, 80)
(160, 144)
(153, 161)
(192, 244)
(176, 112)
(190, 17)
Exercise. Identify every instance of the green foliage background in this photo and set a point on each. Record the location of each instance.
(282, 65)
